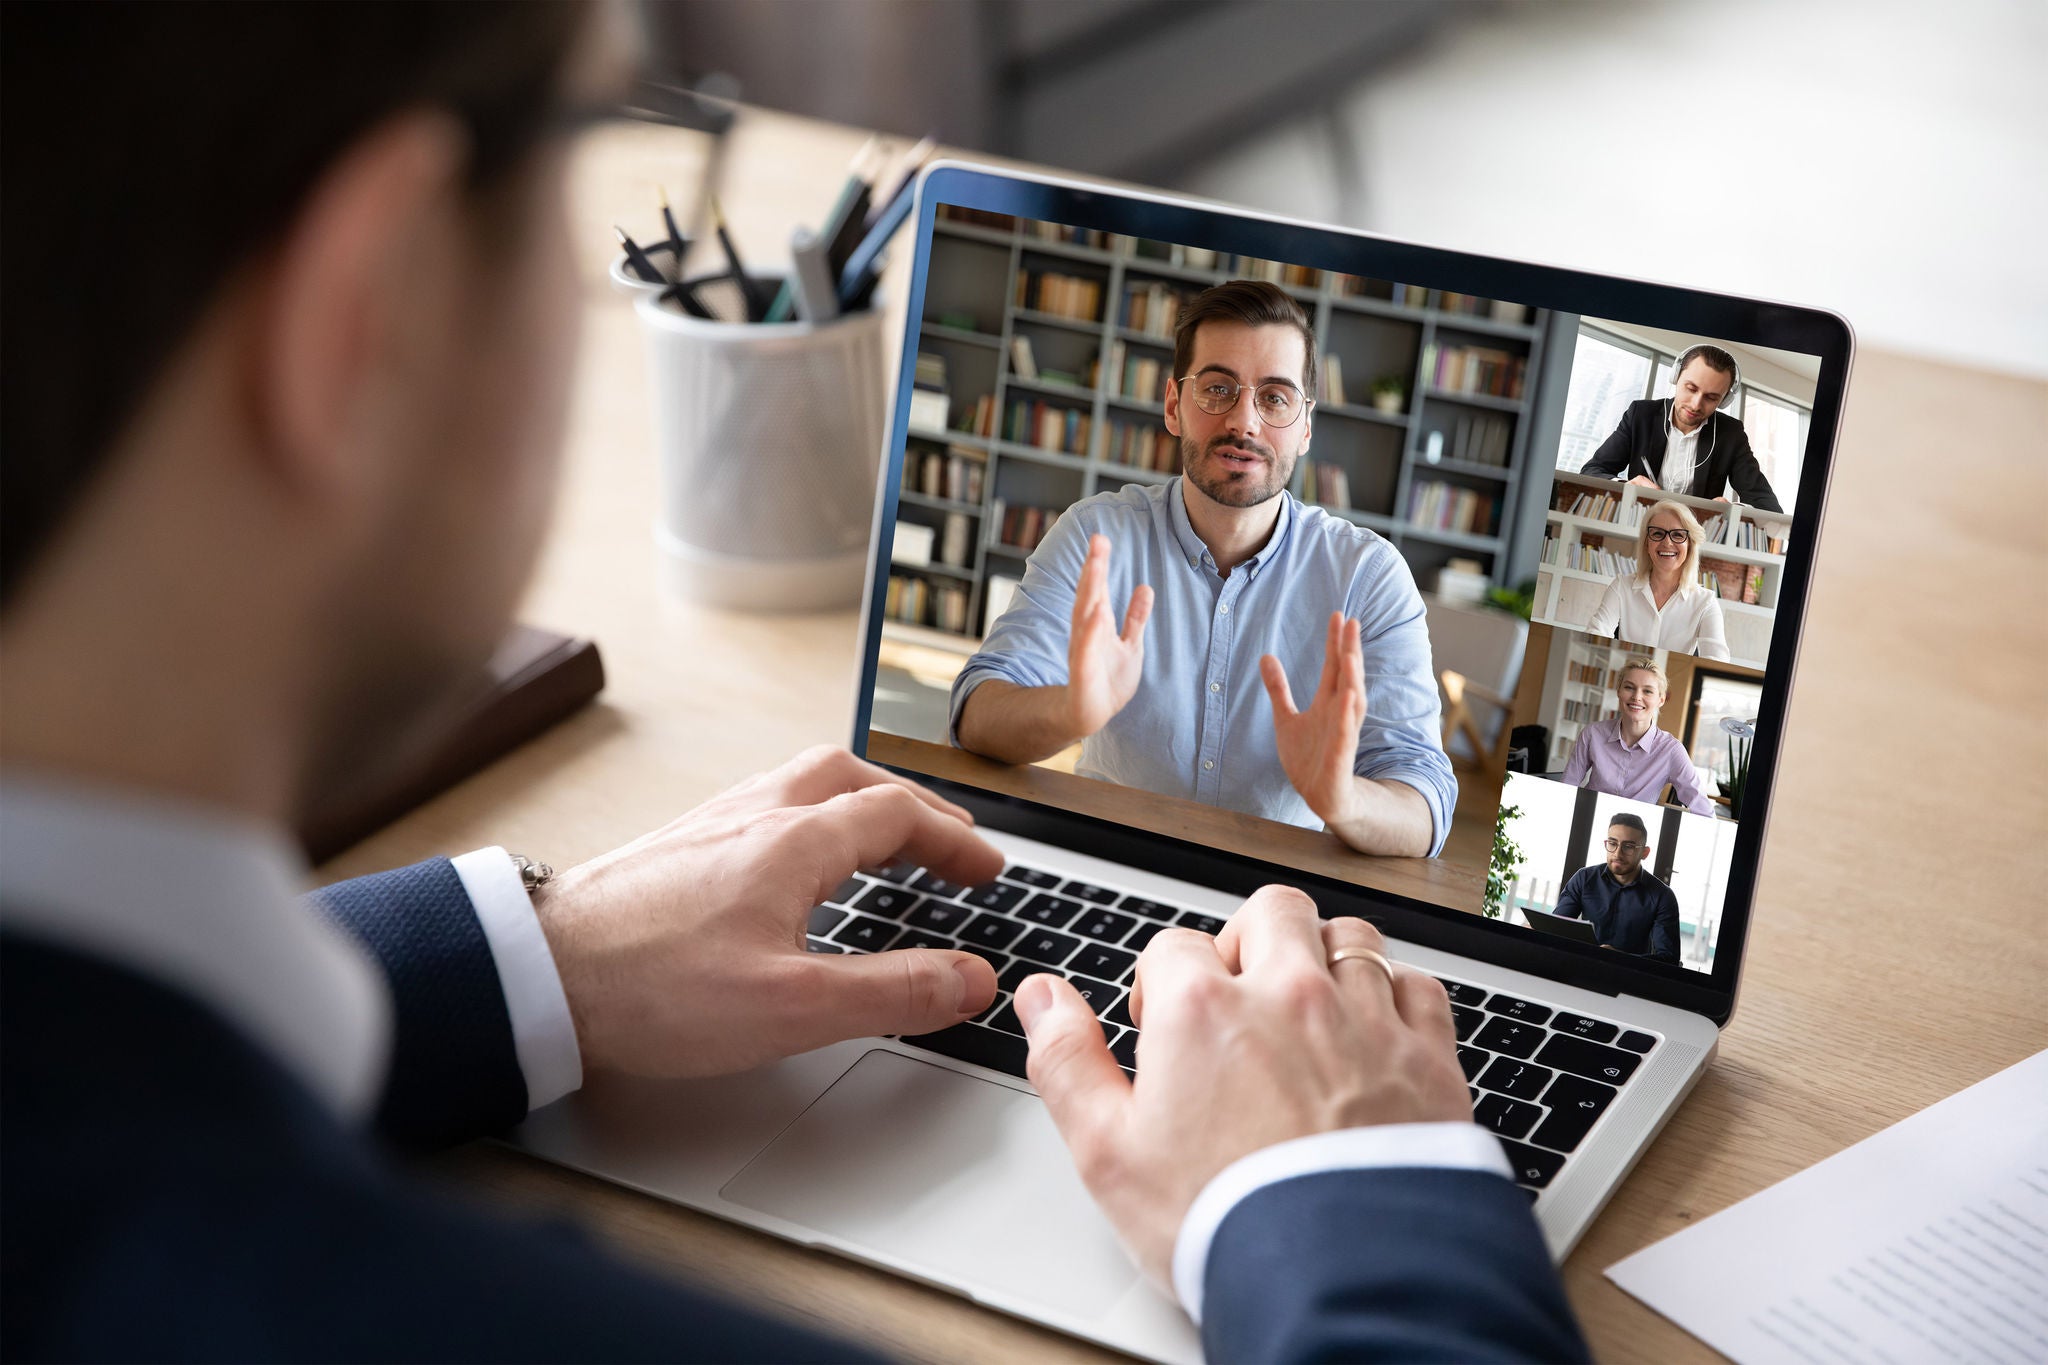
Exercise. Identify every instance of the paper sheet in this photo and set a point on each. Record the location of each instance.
(1925, 1242)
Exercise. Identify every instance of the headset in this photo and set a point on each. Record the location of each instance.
(1734, 382)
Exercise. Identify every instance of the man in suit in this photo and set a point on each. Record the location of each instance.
(1684, 443)
(280, 442)
(1630, 910)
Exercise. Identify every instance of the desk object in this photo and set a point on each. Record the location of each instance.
(535, 679)
(1922, 1242)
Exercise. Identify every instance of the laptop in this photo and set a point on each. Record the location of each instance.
(1465, 410)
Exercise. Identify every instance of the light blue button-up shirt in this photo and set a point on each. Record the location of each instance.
(1200, 725)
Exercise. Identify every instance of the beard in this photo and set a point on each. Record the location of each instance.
(1231, 487)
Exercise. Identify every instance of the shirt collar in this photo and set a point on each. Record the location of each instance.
(205, 902)
(1197, 554)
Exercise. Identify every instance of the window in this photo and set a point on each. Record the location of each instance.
(1699, 878)
(1715, 697)
(1542, 829)
(1777, 433)
(1607, 375)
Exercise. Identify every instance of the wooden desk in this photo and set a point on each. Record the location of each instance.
(1897, 954)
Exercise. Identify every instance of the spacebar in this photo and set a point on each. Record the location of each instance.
(983, 1046)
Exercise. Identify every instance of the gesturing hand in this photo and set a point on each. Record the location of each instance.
(1318, 746)
(1103, 667)
(1247, 1040)
(682, 954)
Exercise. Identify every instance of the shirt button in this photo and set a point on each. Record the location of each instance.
(1208, 763)
(1224, 609)
(1215, 687)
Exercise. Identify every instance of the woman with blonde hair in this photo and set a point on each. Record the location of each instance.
(1627, 755)
(1662, 604)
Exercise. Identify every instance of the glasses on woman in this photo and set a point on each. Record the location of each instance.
(1278, 404)
(1658, 535)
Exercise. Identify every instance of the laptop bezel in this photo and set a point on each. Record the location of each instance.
(1581, 293)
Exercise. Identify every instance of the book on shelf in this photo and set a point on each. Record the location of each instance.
(982, 421)
(1732, 582)
(956, 474)
(1592, 506)
(1333, 380)
(1487, 370)
(1022, 363)
(1139, 377)
(956, 542)
(912, 544)
(1021, 527)
(1756, 535)
(919, 602)
(1436, 505)
(930, 408)
(1481, 438)
(1587, 558)
(1143, 445)
(1151, 307)
(1067, 296)
(1061, 232)
(1048, 426)
(1329, 485)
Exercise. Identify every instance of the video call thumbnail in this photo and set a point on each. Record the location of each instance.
(1393, 585)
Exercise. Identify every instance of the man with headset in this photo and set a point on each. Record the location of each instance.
(1685, 443)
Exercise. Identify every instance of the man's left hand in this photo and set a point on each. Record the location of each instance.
(1318, 746)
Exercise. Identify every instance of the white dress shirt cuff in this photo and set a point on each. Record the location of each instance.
(543, 1034)
(1443, 1146)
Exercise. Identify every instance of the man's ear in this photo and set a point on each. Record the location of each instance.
(1172, 413)
(333, 307)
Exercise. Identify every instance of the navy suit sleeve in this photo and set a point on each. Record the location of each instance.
(1390, 1264)
(454, 1069)
(1613, 460)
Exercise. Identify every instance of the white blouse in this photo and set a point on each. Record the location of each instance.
(1690, 621)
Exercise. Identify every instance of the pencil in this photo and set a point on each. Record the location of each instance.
(757, 307)
(637, 259)
(677, 243)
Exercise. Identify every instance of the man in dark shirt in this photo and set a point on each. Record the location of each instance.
(1629, 909)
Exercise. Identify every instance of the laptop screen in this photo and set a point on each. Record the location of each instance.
(1348, 564)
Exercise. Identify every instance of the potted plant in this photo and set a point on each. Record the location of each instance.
(1505, 864)
(1741, 738)
(1390, 393)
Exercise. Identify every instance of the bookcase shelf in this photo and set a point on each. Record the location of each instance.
(1385, 331)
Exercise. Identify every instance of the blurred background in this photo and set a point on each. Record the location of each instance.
(1888, 160)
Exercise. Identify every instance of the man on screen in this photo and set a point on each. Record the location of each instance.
(1251, 588)
(1684, 443)
(1629, 909)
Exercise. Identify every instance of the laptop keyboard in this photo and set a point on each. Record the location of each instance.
(1540, 1077)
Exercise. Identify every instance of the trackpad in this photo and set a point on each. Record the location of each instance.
(959, 1179)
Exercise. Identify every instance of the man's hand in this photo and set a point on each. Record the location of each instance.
(682, 954)
(1646, 482)
(1103, 666)
(1318, 746)
(1248, 1040)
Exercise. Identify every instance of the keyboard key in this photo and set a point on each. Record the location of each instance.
(1030, 876)
(977, 1044)
(1053, 910)
(1043, 945)
(1518, 1080)
(994, 1007)
(824, 919)
(899, 872)
(991, 931)
(919, 938)
(1158, 910)
(934, 885)
(1579, 1026)
(1532, 1168)
(1120, 1012)
(1462, 994)
(1635, 1041)
(1086, 891)
(1012, 976)
(1526, 1190)
(1100, 995)
(1505, 1035)
(1609, 1065)
(1005, 1018)
(1125, 1050)
(999, 896)
(888, 901)
(938, 916)
(1208, 924)
(1137, 941)
(1473, 1060)
(1528, 1011)
(1510, 1118)
(1103, 924)
(1109, 1032)
(868, 935)
(818, 945)
(1465, 1020)
(989, 955)
(848, 889)
(1106, 963)
(1575, 1105)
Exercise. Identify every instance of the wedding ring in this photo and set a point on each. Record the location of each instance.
(1368, 955)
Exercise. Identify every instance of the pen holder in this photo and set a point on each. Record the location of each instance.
(628, 283)
(769, 437)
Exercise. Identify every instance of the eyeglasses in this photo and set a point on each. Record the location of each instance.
(1628, 846)
(1658, 535)
(1277, 404)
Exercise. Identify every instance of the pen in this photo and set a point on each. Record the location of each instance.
(857, 277)
(749, 291)
(810, 279)
(637, 259)
(685, 295)
(906, 171)
(677, 243)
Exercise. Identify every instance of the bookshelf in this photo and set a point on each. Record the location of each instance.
(1441, 476)
(1736, 549)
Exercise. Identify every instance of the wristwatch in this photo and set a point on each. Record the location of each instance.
(532, 875)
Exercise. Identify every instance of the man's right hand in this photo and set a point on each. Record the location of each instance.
(1647, 483)
(1248, 1040)
(1103, 665)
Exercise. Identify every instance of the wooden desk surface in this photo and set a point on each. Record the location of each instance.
(1897, 954)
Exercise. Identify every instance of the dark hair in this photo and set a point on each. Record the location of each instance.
(152, 149)
(1717, 360)
(1252, 302)
(1634, 822)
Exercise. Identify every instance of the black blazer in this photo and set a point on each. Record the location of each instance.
(173, 1194)
(1725, 457)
